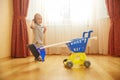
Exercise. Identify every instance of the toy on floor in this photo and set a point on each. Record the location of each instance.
(77, 46)
(78, 56)
(38, 53)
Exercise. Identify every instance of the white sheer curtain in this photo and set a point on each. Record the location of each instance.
(67, 19)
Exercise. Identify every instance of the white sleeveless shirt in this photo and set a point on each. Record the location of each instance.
(38, 34)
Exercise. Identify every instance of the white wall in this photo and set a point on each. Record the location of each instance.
(5, 27)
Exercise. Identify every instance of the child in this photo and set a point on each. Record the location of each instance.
(38, 31)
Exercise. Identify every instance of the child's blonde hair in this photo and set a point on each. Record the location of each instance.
(35, 16)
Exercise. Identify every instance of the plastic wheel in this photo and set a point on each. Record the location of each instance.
(87, 64)
(65, 60)
(69, 64)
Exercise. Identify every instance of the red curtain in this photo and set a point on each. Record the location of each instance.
(19, 29)
(113, 7)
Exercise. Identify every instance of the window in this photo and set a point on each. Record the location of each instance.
(68, 11)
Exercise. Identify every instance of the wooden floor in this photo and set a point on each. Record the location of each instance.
(102, 68)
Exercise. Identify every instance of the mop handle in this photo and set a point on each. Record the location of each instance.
(60, 43)
(94, 38)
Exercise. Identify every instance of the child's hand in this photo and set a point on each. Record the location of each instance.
(44, 29)
(32, 25)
